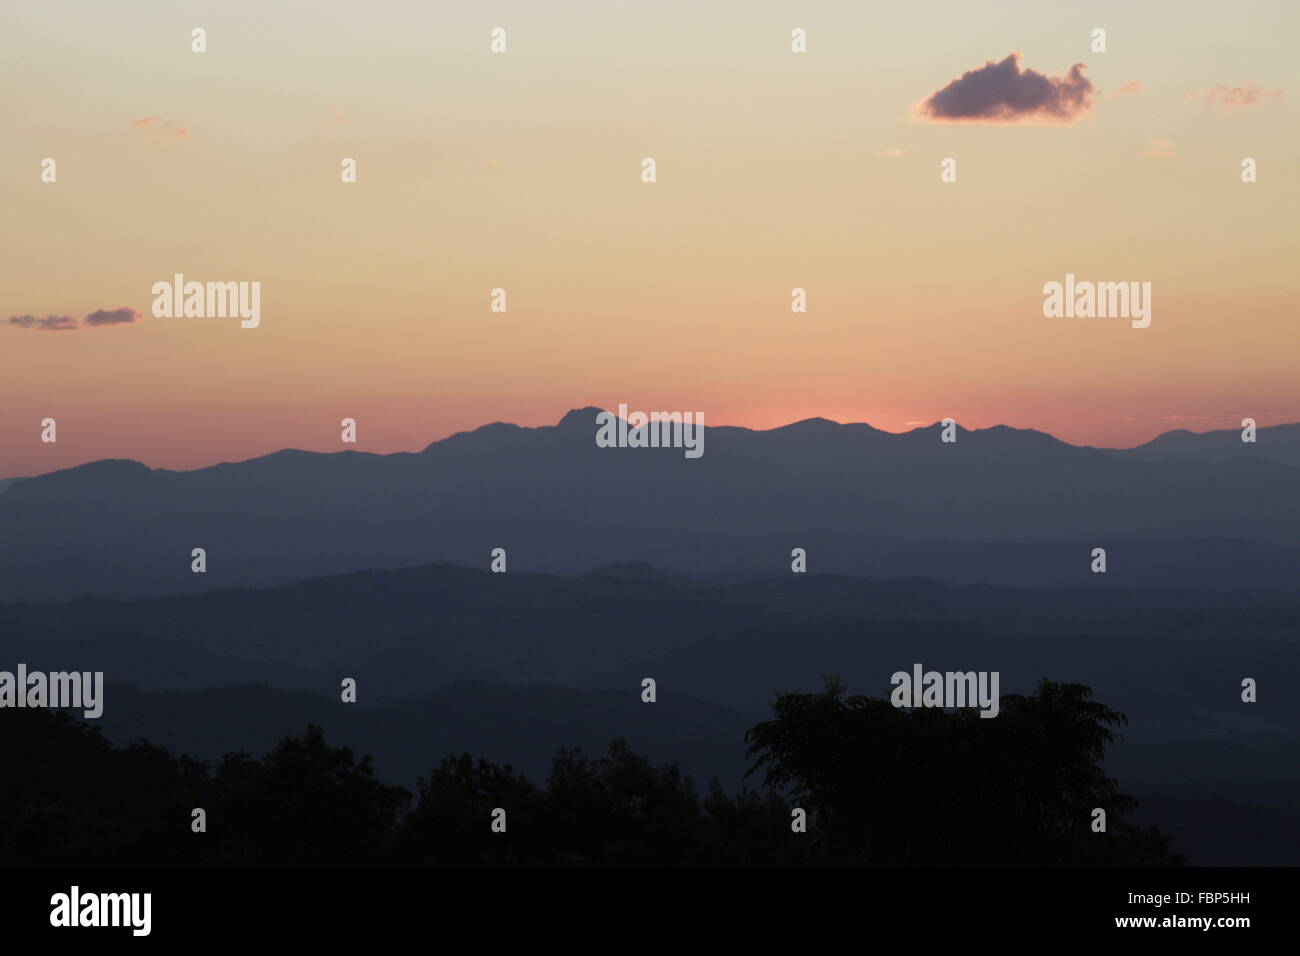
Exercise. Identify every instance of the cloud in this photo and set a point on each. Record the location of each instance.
(1131, 88)
(1159, 148)
(166, 127)
(893, 153)
(1233, 97)
(58, 323)
(1004, 93)
(50, 323)
(112, 316)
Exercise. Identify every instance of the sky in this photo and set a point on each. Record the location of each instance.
(522, 170)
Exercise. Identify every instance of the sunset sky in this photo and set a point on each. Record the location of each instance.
(521, 170)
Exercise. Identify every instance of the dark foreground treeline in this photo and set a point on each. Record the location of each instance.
(879, 785)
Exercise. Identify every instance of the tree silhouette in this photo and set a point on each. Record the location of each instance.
(615, 809)
(887, 785)
(879, 785)
(304, 802)
(450, 823)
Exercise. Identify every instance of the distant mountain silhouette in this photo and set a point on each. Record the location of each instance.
(1000, 505)
(631, 572)
(570, 630)
(1280, 443)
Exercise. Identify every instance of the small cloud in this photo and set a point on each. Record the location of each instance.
(1131, 88)
(50, 323)
(157, 123)
(1159, 148)
(58, 323)
(1004, 93)
(120, 316)
(1233, 97)
(335, 119)
(893, 153)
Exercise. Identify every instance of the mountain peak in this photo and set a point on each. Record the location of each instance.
(807, 424)
(586, 417)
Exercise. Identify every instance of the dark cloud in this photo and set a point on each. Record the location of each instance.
(1005, 93)
(50, 323)
(112, 316)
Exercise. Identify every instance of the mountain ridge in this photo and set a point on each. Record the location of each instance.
(1009, 506)
(1173, 443)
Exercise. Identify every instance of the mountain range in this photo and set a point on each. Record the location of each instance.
(998, 505)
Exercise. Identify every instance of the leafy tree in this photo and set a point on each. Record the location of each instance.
(304, 802)
(451, 822)
(887, 785)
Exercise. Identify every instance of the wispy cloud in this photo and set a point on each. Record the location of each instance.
(1159, 148)
(1131, 88)
(49, 323)
(61, 323)
(1236, 97)
(160, 125)
(1005, 93)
